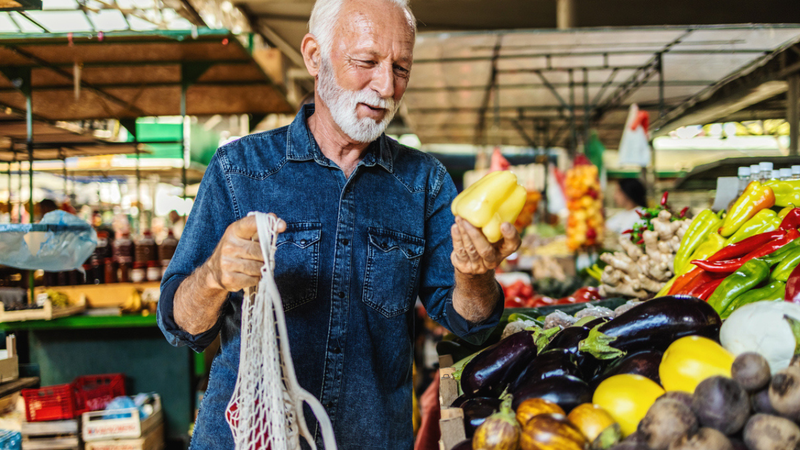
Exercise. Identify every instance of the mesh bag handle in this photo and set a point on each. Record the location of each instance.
(266, 408)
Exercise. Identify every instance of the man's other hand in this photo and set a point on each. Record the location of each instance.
(236, 262)
(473, 254)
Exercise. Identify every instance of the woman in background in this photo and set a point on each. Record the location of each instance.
(630, 195)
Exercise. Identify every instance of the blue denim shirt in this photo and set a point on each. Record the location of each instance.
(356, 254)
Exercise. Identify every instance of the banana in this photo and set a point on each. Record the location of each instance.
(133, 304)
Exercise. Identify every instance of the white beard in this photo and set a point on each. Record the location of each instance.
(342, 104)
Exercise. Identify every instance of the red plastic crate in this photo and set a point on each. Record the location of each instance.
(94, 392)
(49, 403)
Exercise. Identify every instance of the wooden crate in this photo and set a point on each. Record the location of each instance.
(9, 367)
(451, 423)
(154, 440)
(46, 313)
(56, 435)
(97, 428)
(104, 295)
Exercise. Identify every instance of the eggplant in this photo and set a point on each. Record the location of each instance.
(644, 363)
(476, 410)
(491, 370)
(550, 363)
(654, 325)
(569, 339)
(564, 390)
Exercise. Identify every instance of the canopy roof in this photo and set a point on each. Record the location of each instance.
(52, 141)
(125, 75)
(543, 77)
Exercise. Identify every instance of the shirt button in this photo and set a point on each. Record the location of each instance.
(345, 242)
(303, 242)
(340, 294)
(328, 405)
(336, 350)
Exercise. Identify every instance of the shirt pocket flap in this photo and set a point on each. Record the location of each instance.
(387, 241)
(302, 237)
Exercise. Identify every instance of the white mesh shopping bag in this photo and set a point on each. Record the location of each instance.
(266, 409)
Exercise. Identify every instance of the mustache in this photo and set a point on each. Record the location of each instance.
(374, 100)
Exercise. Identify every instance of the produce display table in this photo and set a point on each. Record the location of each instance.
(79, 345)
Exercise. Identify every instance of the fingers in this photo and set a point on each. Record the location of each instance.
(245, 228)
(485, 250)
(511, 239)
(281, 223)
(469, 246)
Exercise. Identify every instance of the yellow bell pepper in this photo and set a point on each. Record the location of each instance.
(786, 192)
(493, 200)
(690, 360)
(755, 198)
(627, 398)
(786, 211)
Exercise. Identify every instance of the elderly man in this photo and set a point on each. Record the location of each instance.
(367, 229)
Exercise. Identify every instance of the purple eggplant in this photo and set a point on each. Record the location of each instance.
(569, 339)
(476, 410)
(565, 390)
(492, 369)
(550, 363)
(644, 363)
(654, 325)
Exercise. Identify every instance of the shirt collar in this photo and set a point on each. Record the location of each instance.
(301, 146)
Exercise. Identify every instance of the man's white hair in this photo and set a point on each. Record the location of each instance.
(325, 14)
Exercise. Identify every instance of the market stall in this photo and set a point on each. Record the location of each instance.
(698, 349)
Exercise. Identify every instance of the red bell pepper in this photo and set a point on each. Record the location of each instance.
(791, 220)
(731, 265)
(793, 287)
(705, 290)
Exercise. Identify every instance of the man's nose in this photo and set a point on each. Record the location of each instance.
(383, 81)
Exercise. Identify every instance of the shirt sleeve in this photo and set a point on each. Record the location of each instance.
(211, 214)
(437, 277)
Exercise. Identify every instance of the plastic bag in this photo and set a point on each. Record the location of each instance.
(53, 251)
(634, 147)
(10, 440)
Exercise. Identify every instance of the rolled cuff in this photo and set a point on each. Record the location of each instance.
(474, 333)
(166, 320)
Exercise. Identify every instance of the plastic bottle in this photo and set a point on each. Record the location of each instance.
(786, 174)
(146, 249)
(755, 172)
(776, 175)
(796, 172)
(744, 178)
(765, 171)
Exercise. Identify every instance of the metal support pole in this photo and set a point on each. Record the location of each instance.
(793, 113)
(565, 14)
(183, 141)
(29, 143)
(573, 132)
(10, 205)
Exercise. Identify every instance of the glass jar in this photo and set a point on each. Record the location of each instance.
(110, 271)
(153, 271)
(138, 273)
(146, 249)
(123, 249)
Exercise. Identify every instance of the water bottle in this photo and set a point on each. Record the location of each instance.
(786, 174)
(796, 172)
(744, 178)
(755, 172)
(776, 175)
(765, 172)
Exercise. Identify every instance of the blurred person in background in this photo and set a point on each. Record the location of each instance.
(43, 207)
(630, 195)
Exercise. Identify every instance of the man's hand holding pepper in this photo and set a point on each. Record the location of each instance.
(475, 259)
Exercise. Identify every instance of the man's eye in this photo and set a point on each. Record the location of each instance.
(401, 71)
(367, 63)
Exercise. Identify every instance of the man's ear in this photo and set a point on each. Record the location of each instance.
(312, 54)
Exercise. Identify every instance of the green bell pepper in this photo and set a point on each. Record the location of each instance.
(703, 224)
(786, 265)
(780, 254)
(746, 277)
(771, 292)
(754, 226)
(711, 245)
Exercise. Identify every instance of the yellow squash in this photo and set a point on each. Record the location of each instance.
(627, 398)
(690, 360)
(493, 200)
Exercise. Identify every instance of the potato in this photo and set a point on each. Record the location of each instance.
(704, 439)
(666, 422)
(784, 392)
(766, 432)
(681, 396)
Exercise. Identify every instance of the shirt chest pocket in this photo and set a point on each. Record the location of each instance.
(297, 263)
(392, 270)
